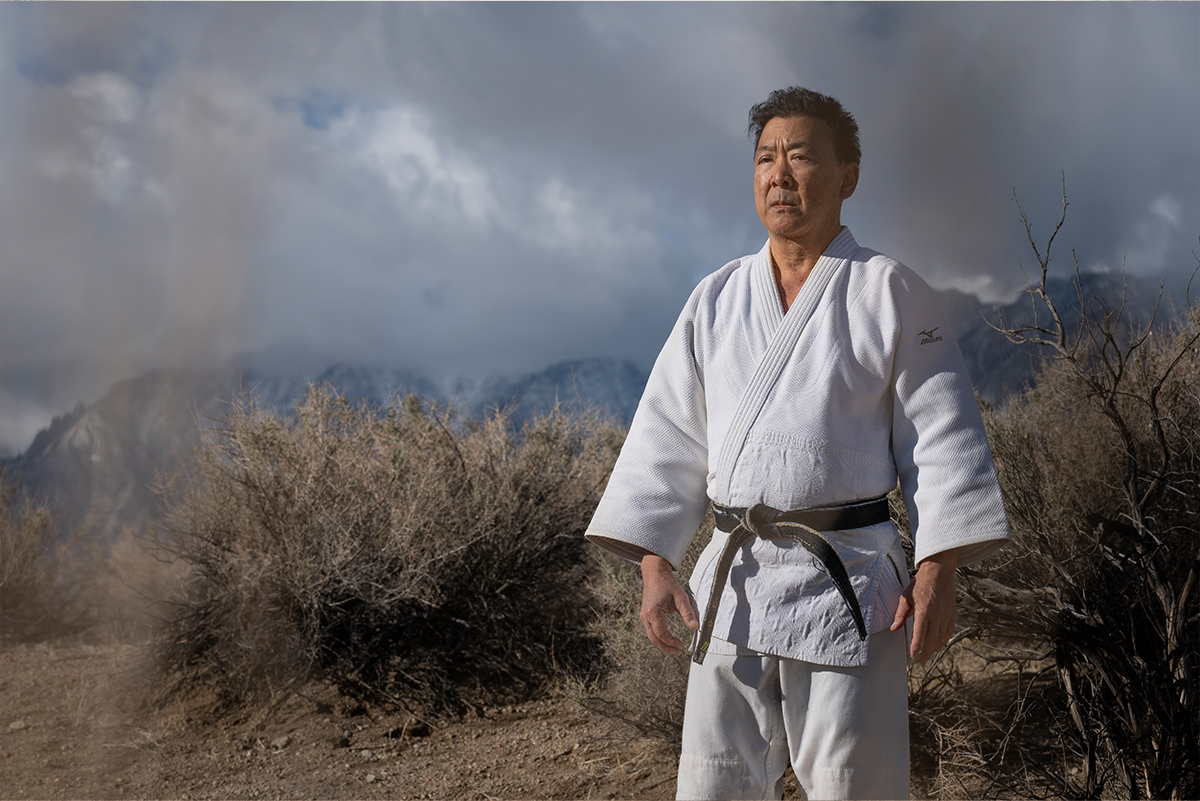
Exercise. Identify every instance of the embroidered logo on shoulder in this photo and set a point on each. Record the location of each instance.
(928, 337)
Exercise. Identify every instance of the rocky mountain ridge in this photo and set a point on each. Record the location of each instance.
(98, 465)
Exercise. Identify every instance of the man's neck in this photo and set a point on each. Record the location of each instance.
(792, 261)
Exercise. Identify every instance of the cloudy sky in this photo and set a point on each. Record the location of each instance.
(469, 189)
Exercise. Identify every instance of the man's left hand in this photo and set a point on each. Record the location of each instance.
(929, 598)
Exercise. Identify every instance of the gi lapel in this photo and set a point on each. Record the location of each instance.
(781, 348)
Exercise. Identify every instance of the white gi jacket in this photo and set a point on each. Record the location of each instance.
(872, 388)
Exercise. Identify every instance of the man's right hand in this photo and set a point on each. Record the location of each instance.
(662, 594)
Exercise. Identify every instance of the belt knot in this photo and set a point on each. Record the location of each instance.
(760, 521)
(801, 525)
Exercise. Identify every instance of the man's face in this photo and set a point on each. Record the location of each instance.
(799, 185)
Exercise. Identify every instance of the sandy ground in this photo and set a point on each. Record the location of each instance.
(72, 725)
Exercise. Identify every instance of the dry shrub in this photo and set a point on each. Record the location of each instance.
(1100, 467)
(38, 585)
(1112, 602)
(410, 555)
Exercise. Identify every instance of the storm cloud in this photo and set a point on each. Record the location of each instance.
(470, 189)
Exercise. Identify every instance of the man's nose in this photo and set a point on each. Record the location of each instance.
(781, 174)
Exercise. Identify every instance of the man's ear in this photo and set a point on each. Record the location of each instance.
(849, 180)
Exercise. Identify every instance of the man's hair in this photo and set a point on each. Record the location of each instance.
(796, 101)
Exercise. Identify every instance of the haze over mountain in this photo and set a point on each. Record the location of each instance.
(98, 464)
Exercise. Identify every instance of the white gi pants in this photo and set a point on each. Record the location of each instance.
(844, 729)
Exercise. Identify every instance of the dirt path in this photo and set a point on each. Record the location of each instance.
(71, 727)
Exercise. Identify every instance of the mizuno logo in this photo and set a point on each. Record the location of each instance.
(928, 337)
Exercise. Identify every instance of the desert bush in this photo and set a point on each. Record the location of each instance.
(409, 554)
(41, 572)
(26, 563)
(1100, 467)
(56, 584)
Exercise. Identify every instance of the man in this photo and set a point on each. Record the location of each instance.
(798, 385)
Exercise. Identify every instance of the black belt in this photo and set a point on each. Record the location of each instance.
(805, 527)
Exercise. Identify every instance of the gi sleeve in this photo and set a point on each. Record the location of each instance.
(657, 494)
(939, 444)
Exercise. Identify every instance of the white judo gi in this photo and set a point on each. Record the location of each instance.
(859, 384)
